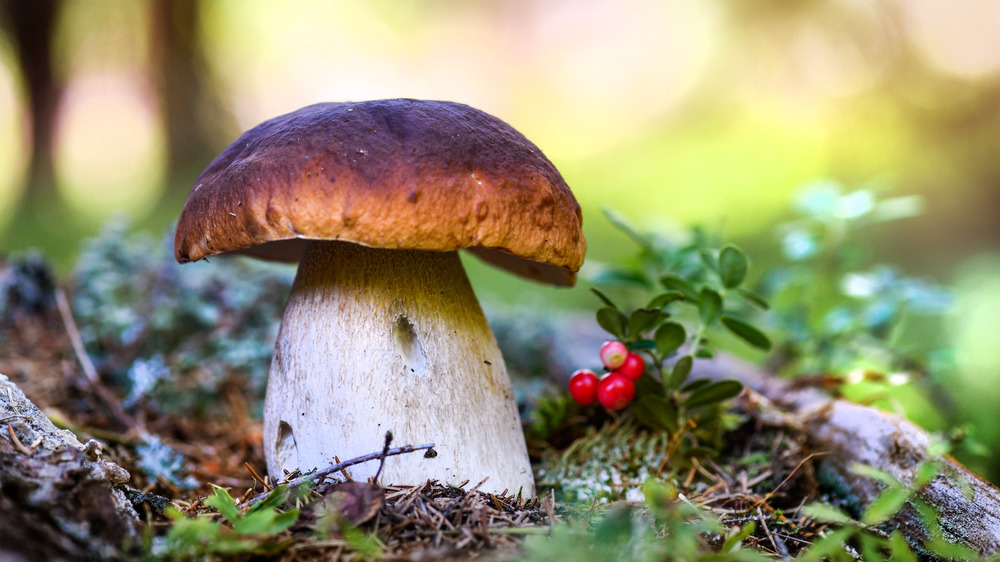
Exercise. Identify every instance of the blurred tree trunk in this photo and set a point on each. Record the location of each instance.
(192, 111)
(31, 25)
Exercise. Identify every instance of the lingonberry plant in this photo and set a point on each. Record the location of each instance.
(613, 354)
(583, 387)
(662, 340)
(633, 367)
(614, 391)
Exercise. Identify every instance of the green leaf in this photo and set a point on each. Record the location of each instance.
(273, 500)
(695, 385)
(709, 306)
(831, 546)
(926, 472)
(950, 551)
(708, 260)
(223, 502)
(656, 412)
(638, 345)
(663, 299)
(620, 276)
(735, 540)
(928, 516)
(619, 221)
(604, 298)
(264, 522)
(681, 371)
(704, 353)
(887, 504)
(825, 513)
(870, 546)
(612, 321)
(732, 266)
(875, 474)
(641, 320)
(713, 393)
(753, 298)
(900, 549)
(669, 337)
(674, 283)
(746, 332)
(649, 386)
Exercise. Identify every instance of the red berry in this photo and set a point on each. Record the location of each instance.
(633, 367)
(613, 354)
(583, 387)
(615, 391)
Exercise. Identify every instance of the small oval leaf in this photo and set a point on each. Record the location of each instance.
(753, 298)
(649, 386)
(746, 332)
(681, 371)
(642, 319)
(695, 385)
(612, 321)
(616, 276)
(713, 393)
(732, 266)
(709, 306)
(656, 412)
(674, 283)
(663, 299)
(639, 345)
(669, 336)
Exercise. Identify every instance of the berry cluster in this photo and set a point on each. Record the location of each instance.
(616, 389)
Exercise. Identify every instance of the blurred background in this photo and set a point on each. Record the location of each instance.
(673, 112)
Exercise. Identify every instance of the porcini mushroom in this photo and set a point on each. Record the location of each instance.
(382, 330)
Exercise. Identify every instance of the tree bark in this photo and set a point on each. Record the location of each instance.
(58, 497)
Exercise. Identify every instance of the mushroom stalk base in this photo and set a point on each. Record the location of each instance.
(375, 340)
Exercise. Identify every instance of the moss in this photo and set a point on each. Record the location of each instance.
(172, 334)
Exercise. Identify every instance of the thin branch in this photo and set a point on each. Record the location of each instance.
(779, 546)
(89, 370)
(74, 337)
(767, 496)
(324, 472)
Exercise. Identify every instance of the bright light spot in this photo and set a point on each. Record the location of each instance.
(275, 57)
(13, 140)
(960, 36)
(601, 72)
(898, 379)
(855, 376)
(855, 204)
(109, 150)
(841, 51)
(859, 285)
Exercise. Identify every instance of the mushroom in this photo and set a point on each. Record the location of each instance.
(382, 330)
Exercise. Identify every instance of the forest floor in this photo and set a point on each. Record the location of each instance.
(594, 469)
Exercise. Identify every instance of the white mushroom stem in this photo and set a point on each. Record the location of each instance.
(375, 340)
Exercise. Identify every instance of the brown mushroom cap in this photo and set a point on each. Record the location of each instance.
(401, 174)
